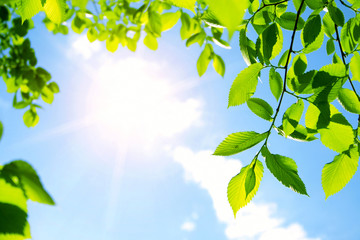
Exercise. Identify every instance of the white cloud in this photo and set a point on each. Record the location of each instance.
(188, 226)
(255, 221)
(81, 46)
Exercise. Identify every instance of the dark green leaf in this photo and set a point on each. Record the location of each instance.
(247, 48)
(336, 15)
(287, 21)
(355, 66)
(330, 46)
(285, 170)
(272, 41)
(312, 34)
(299, 64)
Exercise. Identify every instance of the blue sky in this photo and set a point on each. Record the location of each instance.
(125, 150)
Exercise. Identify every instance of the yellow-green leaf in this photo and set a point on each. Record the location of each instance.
(55, 10)
(244, 85)
(238, 142)
(336, 174)
(236, 191)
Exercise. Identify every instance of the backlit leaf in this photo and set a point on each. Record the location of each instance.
(312, 35)
(276, 83)
(229, 12)
(219, 65)
(330, 46)
(260, 108)
(292, 117)
(285, 170)
(30, 118)
(244, 85)
(236, 191)
(29, 181)
(349, 100)
(55, 10)
(188, 4)
(247, 48)
(151, 42)
(272, 41)
(355, 66)
(169, 19)
(29, 8)
(204, 60)
(238, 142)
(336, 174)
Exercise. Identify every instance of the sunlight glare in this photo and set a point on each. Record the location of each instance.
(134, 98)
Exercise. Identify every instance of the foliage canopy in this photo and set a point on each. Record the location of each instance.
(267, 32)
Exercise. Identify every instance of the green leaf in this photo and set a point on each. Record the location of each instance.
(55, 10)
(260, 108)
(244, 85)
(219, 65)
(92, 34)
(283, 58)
(287, 21)
(346, 37)
(250, 181)
(355, 66)
(301, 134)
(336, 174)
(292, 117)
(204, 60)
(327, 82)
(276, 83)
(236, 191)
(330, 46)
(285, 170)
(28, 8)
(13, 208)
(169, 20)
(196, 38)
(230, 13)
(315, 4)
(238, 142)
(299, 64)
(1, 130)
(30, 118)
(247, 48)
(112, 43)
(336, 15)
(54, 87)
(349, 100)
(155, 23)
(312, 35)
(338, 135)
(47, 95)
(151, 42)
(272, 41)
(329, 25)
(28, 180)
(188, 4)
(79, 3)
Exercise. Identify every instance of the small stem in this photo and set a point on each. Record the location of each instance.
(286, 71)
(348, 6)
(292, 94)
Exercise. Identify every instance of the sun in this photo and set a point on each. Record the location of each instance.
(134, 99)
